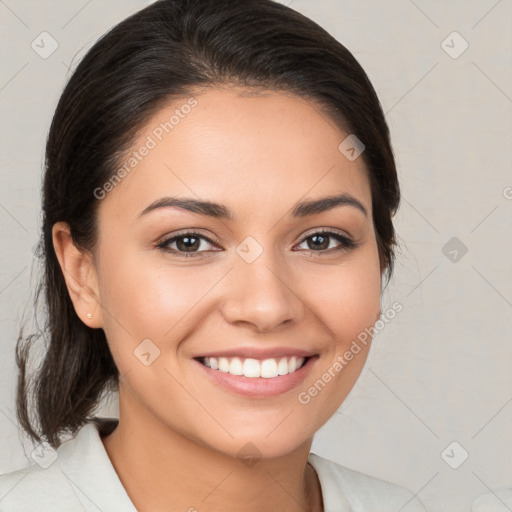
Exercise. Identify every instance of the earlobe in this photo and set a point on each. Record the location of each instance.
(79, 274)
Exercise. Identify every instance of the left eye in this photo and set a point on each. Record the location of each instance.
(320, 241)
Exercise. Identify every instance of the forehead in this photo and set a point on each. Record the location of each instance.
(266, 150)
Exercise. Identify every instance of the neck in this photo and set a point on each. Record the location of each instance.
(162, 469)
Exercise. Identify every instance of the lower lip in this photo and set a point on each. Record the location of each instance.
(259, 387)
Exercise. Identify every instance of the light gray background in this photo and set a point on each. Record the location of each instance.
(441, 370)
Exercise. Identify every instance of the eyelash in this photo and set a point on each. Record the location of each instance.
(347, 244)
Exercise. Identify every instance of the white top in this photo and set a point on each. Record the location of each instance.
(495, 501)
(80, 477)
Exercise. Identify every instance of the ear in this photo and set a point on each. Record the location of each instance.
(79, 274)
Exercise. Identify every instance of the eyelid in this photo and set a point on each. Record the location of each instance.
(189, 231)
(326, 230)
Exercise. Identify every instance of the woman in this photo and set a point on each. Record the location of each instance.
(218, 200)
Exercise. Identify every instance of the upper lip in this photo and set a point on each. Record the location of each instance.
(259, 353)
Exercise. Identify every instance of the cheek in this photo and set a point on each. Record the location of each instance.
(346, 298)
(347, 303)
(148, 298)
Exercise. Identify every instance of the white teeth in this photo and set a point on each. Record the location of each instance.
(223, 365)
(282, 367)
(253, 368)
(269, 368)
(236, 367)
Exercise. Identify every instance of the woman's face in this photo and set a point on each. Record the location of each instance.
(256, 279)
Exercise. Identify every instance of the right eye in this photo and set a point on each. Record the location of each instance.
(187, 244)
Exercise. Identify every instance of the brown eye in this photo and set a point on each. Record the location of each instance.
(186, 244)
(321, 242)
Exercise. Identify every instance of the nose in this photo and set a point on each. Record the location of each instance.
(261, 295)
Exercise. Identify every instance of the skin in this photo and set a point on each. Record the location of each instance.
(179, 434)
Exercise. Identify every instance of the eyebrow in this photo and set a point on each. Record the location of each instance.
(220, 211)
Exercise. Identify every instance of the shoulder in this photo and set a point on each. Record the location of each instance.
(77, 477)
(360, 492)
(37, 488)
(499, 500)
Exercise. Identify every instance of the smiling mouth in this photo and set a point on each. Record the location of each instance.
(255, 368)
